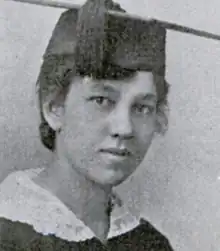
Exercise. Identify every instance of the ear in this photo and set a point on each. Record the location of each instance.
(53, 110)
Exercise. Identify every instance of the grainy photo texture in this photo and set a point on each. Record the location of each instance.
(102, 100)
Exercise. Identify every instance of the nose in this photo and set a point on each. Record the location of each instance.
(120, 124)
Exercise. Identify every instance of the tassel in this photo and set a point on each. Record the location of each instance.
(90, 30)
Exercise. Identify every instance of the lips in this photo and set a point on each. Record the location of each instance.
(116, 151)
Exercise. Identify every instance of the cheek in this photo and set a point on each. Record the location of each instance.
(79, 132)
(82, 131)
(145, 128)
(144, 132)
(79, 142)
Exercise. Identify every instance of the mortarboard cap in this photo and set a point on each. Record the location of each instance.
(104, 45)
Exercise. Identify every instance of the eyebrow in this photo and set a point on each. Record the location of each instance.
(148, 96)
(103, 87)
(109, 88)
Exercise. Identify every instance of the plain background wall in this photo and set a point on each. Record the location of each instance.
(179, 179)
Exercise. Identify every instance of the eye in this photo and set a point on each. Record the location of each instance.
(102, 101)
(143, 109)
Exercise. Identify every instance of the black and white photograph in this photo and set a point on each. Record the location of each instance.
(109, 124)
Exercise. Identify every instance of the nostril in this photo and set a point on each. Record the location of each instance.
(115, 135)
(122, 135)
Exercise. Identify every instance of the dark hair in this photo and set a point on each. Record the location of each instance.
(57, 72)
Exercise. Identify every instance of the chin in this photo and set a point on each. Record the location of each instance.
(111, 180)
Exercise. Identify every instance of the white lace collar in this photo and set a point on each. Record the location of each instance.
(24, 201)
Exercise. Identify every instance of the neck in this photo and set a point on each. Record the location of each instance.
(86, 199)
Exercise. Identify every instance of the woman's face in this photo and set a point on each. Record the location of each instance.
(108, 126)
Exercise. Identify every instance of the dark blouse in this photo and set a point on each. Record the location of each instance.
(16, 236)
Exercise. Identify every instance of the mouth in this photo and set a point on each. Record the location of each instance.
(117, 152)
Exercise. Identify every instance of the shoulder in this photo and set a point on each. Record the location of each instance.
(15, 188)
(155, 236)
(15, 235)
(18, 236)
(144, 235)
(23, 201)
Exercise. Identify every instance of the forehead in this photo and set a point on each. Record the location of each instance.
(140, 83)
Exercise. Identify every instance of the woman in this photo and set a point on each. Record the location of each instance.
(102, 97)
